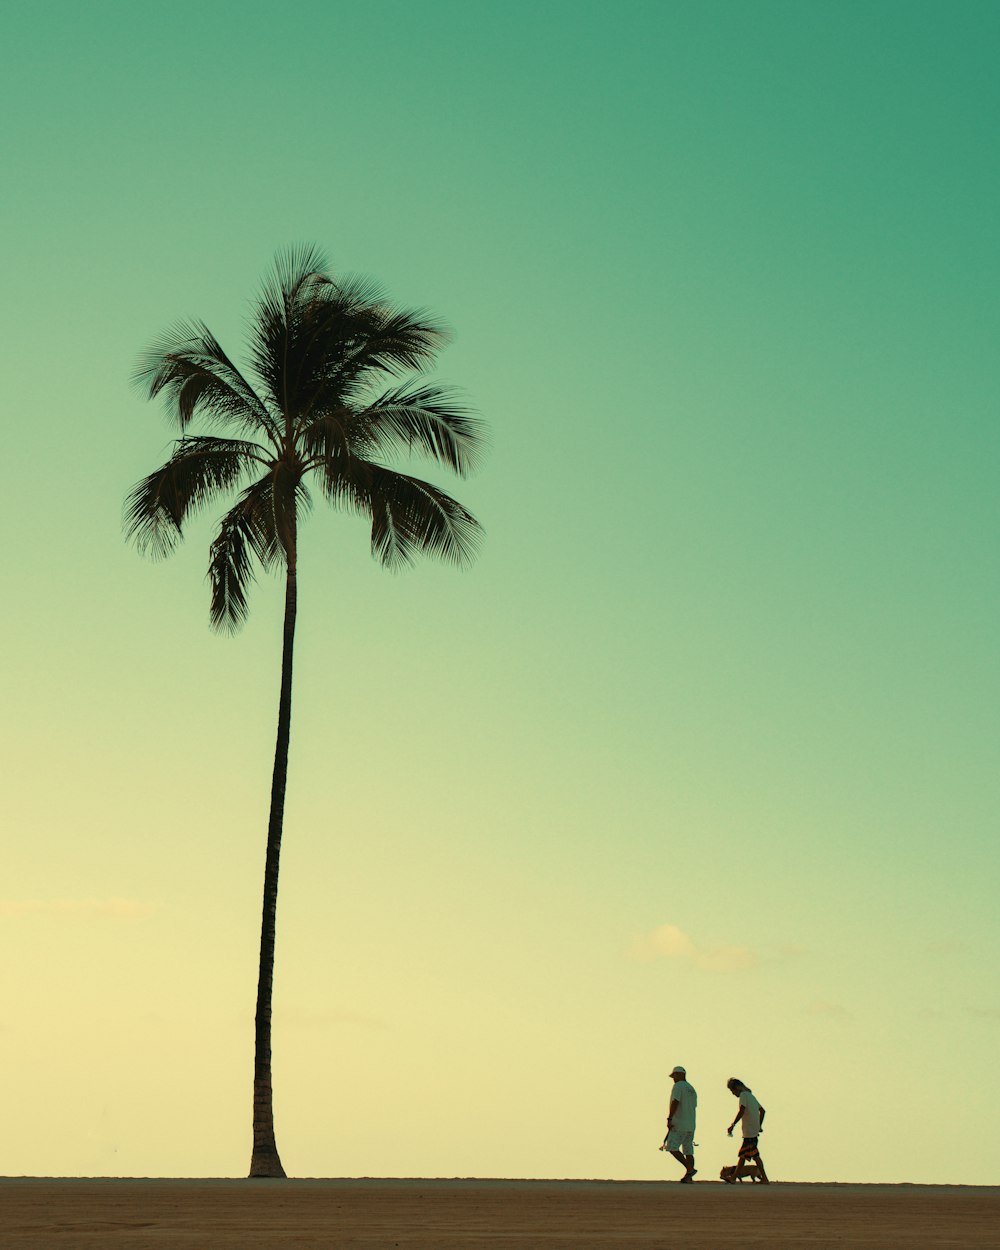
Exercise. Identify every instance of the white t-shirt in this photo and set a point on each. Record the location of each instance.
(688, 1099)
(751, 1114)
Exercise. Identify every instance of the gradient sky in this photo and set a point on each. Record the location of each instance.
(698, 764)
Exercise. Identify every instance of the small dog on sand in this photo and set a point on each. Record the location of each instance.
(750, 1173)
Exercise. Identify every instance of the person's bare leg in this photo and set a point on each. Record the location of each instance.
(688, 1161)
(745, 1161)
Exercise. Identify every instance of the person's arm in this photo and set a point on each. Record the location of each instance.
(739, 1116)
(762, 1114)
(674, 1104)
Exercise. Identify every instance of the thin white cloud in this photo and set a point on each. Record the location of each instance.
(667, 941)
(75, 908)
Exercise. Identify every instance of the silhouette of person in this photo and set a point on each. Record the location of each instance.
(679, 1140)
(751, 1113)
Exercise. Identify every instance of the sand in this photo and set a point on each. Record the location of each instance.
(479, 1214)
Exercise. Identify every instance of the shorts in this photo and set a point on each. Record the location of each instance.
(749, 1148)
(677, 1139)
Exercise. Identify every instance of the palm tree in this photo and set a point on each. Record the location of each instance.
(327, 404)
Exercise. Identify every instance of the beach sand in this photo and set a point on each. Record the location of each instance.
(78, 1214)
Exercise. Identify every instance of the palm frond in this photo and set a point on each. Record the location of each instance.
(428, 420)
(347, 349)
(400, 340)
(199, 469)
(190, 369)
(352, 341)
(276, 326)
(297, 264)
(315, 340)
(409, 517)
(329, 436)
(230, 572)
(349, 295)
(255, 528)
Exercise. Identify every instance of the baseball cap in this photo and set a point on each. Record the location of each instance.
(677, 1068)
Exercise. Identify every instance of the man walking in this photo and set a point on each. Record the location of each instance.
(751, 1113)
(679, 1140)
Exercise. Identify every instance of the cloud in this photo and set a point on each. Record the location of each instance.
(666, 942)
(82, 908)
(669, 942)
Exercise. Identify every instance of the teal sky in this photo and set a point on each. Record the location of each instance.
(698, 764)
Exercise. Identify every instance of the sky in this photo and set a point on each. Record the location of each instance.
(697, 764)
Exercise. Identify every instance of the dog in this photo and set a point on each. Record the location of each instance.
(750, 1173)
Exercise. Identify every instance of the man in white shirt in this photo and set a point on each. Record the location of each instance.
(751, 1113)
(679, 1140)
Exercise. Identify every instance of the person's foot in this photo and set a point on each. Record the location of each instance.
(688, 1179)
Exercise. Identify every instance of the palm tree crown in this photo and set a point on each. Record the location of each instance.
(323, 351)
(328, 403)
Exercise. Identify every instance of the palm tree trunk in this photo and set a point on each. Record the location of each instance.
(265, 1160)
